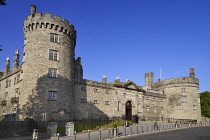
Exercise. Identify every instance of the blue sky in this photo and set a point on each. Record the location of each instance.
(125, 38)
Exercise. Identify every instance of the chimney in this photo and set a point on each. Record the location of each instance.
(7, 67)
(117, 79)
(104, 79)
(16, 59)
(33, 9)
(192, 74)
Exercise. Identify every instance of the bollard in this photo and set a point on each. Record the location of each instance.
(125, 130)
(137, 129)
(147, 128)
(151, 127)
(58, 135)
(131, 130)
(109, 133)
(35, 134)
(88, 134)
(99, 134)
(118, 132)
(75, 135)
(142, 129)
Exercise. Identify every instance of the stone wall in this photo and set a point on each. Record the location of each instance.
(14, 128)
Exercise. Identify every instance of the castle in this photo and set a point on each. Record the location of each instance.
(49, 83)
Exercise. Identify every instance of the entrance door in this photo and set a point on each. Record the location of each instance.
(128, 110)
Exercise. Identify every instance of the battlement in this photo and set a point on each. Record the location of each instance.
(39, 20)
(177, 81)
(98, 84)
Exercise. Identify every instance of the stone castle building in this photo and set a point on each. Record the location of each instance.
(49, 83)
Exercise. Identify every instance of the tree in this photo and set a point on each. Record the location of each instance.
(205, 103)
(2, 2)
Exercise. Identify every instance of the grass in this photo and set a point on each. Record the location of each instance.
(99, 125)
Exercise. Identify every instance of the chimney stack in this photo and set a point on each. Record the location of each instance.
(33, 9)
(192, 74)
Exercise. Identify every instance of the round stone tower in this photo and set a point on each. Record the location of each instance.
(48, 67)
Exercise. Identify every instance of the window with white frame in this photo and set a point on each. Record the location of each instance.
(53, 73)
(53, 55)
(184, 99)
(184, 90)
(161, 100)
(106, 102)
(54, 38)
(194, 107)
(119, 106)
(44, 117)
(147, 98)
(155, 108)
(178, 107)
(95, 101)
(83, 100)
(147, 107)
(52, 95)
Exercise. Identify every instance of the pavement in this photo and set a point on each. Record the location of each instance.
(123, 132)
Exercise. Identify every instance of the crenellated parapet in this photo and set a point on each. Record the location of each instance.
(39, 20)
(177, 81)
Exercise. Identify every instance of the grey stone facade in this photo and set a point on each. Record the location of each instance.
(49, 83)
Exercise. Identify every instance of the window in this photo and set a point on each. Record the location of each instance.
(155, 98)
(95, 101)
(194, 107)
(162, 92)
(83, 88)
(83, 100)
(178, 107)
(106, 102)
(184, 99)
(119, 106)
(53, 55)
(96, 90)
(161, 100)
(5, 95)
(147, 98)
(184, 90)
(162, 108)
(53, 73)
(54, 38)
(107, 91)
(44, 117)
(155, 108)
(52, 95)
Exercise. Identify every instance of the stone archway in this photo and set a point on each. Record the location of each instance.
(128, 110)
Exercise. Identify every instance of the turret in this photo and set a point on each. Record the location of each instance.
(16, 59)
(7, 66)
(149, 79)
(192, 74)
(49, 51)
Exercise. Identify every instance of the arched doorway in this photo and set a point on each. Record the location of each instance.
(128, 110)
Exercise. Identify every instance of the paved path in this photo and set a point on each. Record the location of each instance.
(145, 131)
(194, 133)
